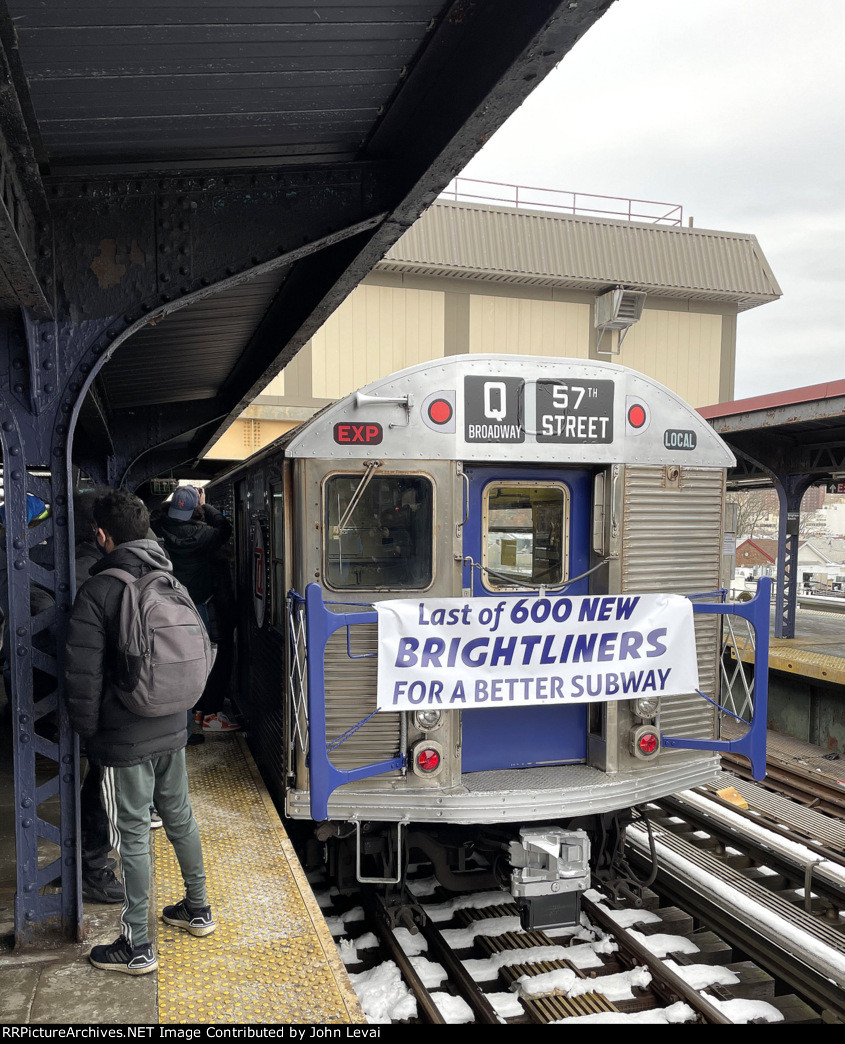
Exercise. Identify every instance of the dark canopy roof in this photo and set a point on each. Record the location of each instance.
(214, 177)
(798, 433)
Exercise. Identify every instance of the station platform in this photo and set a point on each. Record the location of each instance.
(271, 960)
(806, 678)
(817, 651)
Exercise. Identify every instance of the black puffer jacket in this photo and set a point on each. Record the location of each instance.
(88, 554)
(113, 735)
(191, 546)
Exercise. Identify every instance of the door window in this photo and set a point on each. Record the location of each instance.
(525, 535)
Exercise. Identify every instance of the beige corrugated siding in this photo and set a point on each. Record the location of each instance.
(376, 331)
(517, 326)
(681, 349)
(579, 253)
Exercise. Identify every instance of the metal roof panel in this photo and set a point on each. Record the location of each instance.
(577, 253)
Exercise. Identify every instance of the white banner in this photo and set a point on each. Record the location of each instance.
(458, 653)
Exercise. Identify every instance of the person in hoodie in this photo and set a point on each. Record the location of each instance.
(143, 759)
(192, 533)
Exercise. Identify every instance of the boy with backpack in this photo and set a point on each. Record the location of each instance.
(137, 657)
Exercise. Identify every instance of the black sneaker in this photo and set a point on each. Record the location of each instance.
(119, 956)
(155, 819)
(194, 919)
(102, 886)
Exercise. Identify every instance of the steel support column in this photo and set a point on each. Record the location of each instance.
(790, 490)
(35, 433)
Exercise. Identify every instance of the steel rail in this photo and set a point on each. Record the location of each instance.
(813, 986)
(769, 821)
(795, 784)
(468, 988)
(377, 915)
(786, 863)
(825, 832)
(665, 976)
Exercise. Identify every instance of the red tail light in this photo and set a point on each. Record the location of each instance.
(648, 743)
(428, 760)
(645, 742)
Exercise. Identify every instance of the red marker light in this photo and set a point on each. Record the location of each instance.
(440, 411)
(636, 416)
(428, 760)
(648, 743)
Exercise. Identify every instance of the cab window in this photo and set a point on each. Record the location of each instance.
(525, 535)
(379, 532)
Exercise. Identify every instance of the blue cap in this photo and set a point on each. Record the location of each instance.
(184, 503)
(35, 507)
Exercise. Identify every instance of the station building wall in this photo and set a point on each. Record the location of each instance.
(392, 321)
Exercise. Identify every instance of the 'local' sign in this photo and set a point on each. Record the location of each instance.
(455, 653)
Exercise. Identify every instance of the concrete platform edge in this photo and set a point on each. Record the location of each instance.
(350, 1000)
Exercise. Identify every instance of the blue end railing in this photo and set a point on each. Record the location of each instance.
(321, 624)
(753, 744)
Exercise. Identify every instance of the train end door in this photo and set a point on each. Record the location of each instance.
(525, 527)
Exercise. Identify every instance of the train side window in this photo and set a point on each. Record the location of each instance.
(379, 534)
(277, 552)
(525, 536)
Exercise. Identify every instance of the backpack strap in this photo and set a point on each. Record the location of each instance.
(137, 582)
(121, 574)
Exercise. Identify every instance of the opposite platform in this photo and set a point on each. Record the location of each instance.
(817, 651)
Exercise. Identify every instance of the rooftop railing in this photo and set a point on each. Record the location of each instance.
(585, 204)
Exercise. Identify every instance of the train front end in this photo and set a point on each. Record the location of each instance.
(504, 622)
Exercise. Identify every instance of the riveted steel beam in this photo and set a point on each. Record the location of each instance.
(24, 216)
(133, 245)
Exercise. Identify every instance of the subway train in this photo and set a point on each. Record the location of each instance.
(480, 619)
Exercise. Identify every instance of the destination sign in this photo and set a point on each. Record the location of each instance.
(573, 412)
(493, 409)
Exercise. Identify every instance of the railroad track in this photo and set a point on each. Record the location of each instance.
(473, 963)
(745, 922)
(778, 898)
(804, 785)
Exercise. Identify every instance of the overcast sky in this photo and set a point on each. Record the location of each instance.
(734, 109)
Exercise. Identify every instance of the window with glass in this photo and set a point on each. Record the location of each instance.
(379, 531)
(525, 535)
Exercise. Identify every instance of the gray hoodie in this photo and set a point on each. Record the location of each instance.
(113, 734)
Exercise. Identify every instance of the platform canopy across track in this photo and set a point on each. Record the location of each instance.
(789, 441)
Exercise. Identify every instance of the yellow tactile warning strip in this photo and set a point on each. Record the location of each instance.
(785, 655)
(272, 957)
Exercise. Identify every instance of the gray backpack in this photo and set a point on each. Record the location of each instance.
(166, 654)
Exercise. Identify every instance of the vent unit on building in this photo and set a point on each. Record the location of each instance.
(617, 310)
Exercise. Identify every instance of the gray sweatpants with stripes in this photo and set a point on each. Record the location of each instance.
(128, 794)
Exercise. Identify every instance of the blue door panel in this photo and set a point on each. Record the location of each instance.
(519, 737)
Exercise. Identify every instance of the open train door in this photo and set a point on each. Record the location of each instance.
(526, 527)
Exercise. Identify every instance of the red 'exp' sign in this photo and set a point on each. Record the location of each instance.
(367, 434)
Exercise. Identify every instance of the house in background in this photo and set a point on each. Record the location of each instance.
(821, 564)
(757, 557)
(473, 277)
